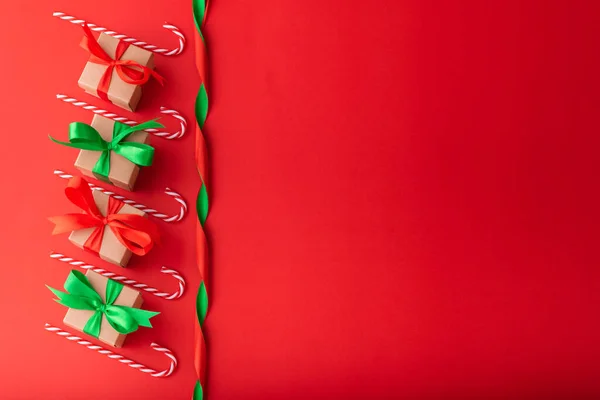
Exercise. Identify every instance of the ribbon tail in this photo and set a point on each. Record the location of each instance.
(82, 145)
(142, 317)
(57, 293)
(71, 300)
(161, 80)
(128, 130)
(72, 222)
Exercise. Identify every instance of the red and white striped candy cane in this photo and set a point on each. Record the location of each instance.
(165, 52)
(163, 110)
(114, 356)
(126, 281)
(150, 211)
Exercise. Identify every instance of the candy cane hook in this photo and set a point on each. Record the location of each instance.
(151, 211)
(165, 52)
(114, 356)
(126, 281)
(163, 110)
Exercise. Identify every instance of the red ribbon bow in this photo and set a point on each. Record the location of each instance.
(128, 70)
(135, 232)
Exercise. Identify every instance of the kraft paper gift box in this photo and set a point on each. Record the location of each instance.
(123, 173)
(105, 75)
(90, 309)
(108, 227)
(111, 249)
(111, 151)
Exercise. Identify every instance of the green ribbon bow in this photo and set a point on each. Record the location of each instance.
(82, 296)
(85, 137)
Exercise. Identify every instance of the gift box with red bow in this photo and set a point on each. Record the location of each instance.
(116, 70)
(107, 227)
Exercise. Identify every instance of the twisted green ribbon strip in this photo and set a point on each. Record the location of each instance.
(86, 137)
(82, 296)
(202, 205)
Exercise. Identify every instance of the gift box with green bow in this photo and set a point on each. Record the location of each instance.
(101, 307)
(111, 151)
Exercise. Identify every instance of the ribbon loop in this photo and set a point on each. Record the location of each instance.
(82, 296)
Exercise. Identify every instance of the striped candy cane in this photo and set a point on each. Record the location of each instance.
(163, 110)
(165, 52)
(151, 211)
(126, 281)
(114, 356)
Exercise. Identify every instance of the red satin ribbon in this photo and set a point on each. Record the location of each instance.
(135, 232)
(128, 70)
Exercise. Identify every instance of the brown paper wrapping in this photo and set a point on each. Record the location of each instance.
(111, 249)
(123, 173)
(120, 93)
(77, 319)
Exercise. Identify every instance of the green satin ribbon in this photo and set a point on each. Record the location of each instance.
(82, 296)
(85, 137)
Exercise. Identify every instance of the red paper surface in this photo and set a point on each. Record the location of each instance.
(404, 200)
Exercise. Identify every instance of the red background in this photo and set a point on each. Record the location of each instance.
(404, 200)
